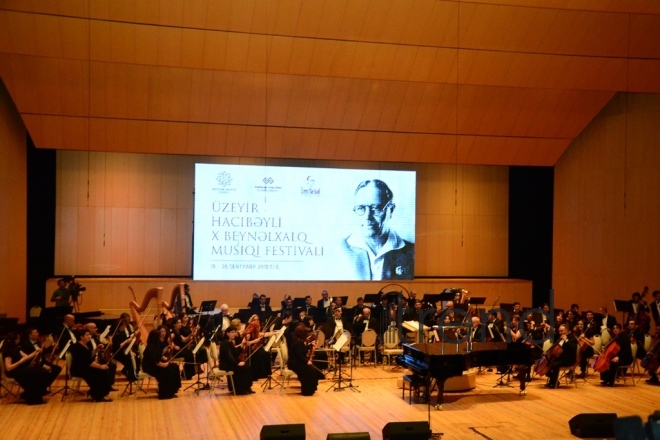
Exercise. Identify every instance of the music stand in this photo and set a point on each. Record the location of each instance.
(299, 303)
(371, 298)
(268, 383)
(337, 383)
(624, 306)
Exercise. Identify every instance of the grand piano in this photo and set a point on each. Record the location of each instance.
(441, 361)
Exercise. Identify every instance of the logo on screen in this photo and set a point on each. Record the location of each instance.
(224, 179)
(268, 185)
(308, 188)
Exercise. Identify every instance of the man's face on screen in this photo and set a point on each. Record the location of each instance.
(373, 223)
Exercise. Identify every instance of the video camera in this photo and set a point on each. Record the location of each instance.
(75, 289)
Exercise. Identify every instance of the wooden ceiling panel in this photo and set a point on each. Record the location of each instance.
(192, 43)
(500, 111)
(541, 71)
(341, 79)
(643, 36)
(639, 6)
(169, 46)
(644, 76)
(536, 30)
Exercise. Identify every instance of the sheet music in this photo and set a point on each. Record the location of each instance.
(273, 339)
(199, 344)
(66, 347)
(105, 333)
(340, 342)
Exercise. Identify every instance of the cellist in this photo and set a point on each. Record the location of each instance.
(623, 357)
(568, 355)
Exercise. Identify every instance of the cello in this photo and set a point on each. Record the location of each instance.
(543, 367)
(603, 361)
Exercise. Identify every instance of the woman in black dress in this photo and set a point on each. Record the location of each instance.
(18, 366)
(300, 363)
(156, 363)
(83, 365)
(229, 361)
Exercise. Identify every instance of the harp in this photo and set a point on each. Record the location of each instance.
(150, 306)
(169, 308)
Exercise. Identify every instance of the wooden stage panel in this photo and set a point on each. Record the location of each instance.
(498, 413)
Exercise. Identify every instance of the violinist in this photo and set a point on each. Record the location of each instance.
(586, 339)
(120, 341)
(156, 362)
(623, 357)
(83, 365)
(182, 347)
(68, 333)
(301, 363)
(254, 341)
(101, 352)
(34, 381)
(568, 355)
(229, 361)
(46, 361)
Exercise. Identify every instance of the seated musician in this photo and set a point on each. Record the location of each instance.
(637, 333)
(156, 362)
(259, 359)
(336, 326)
(413, 313)
(47, 361)
(363, 322)
(83, 365)
(514, 331)
(495, 328)
(120, 342)
(585, 336)
(623, 357)
(229, 361)
(191, 331)
(475, 331)
(68, 332)
(287, 305)
(568, 356)
(300, 362)
(18, 365)
(223, 321)
(183, 347)
(102, 352)
(183, 304)
(261, 307)
(357, 309)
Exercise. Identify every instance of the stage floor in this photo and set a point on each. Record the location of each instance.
(486, 412)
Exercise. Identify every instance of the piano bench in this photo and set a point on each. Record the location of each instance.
(414, 383)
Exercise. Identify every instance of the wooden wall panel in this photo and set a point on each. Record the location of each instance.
(13, 208)
(136, 217)
(607, 200)
(112, 294)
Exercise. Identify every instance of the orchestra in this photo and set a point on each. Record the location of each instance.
(34, 361)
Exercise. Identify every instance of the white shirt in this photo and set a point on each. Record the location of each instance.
(376, 260)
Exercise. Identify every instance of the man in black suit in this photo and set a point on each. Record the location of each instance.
(31, 344)
(607, 320)
(287, 306)
(322, 307)
(262, 308)
(337, 324)
(655, 309)
(567, 357)
(309, 309)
